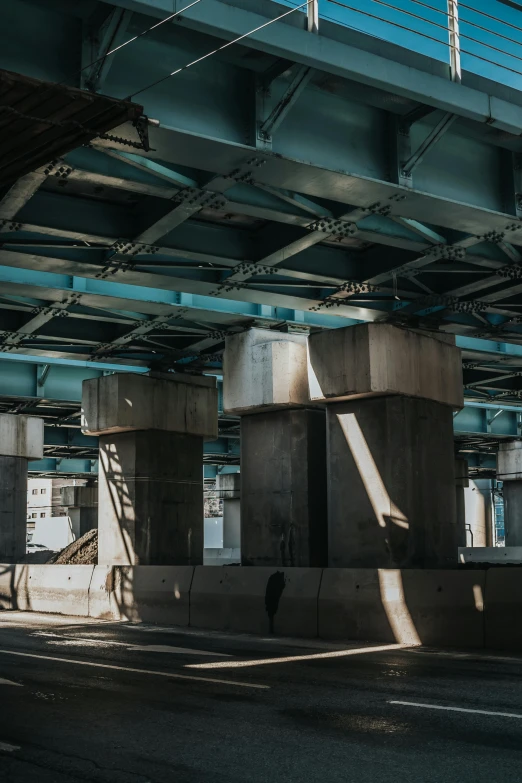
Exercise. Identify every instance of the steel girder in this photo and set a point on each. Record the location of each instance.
(204, 221)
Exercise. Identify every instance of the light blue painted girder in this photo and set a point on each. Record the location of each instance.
(288, 39)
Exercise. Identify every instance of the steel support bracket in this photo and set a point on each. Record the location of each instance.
(270, 115)
(97, 43)
(409, 165)
(333, 227)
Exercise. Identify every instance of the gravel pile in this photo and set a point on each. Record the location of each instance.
(84, 551)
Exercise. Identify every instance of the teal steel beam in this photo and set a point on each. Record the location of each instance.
(112, 298)
(19, 194)
(191, 198)
(286, 39)
(268, 125)
(174, 178)
(60, 266)
(408, 166)
(373, 196)
(97, 43)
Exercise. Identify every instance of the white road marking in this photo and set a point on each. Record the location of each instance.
(8, 682)
(170, 675)
(81, 639)
(457, 709)
(294, 658)
(165, 648)
(5, 747)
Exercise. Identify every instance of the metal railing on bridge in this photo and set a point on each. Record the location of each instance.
(483, 36)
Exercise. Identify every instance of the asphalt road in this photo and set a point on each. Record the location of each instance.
(122, 703)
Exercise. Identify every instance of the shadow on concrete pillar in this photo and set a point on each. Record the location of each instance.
(283, 452)
(150, 506)
(509, 471)
(479, 513)
(21, 439)
(228, 486)
(390, 393)
(283, 488)
(391, 484)
(461, 484)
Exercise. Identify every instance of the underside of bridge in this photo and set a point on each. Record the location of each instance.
(293, 182)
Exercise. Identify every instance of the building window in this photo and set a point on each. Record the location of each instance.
(42, 514)
(35, 491)
(43, 491)
(34, 515)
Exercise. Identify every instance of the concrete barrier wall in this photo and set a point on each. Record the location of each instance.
(56, 589)
(449, 608)
(503, 616)
(431, 607)
(102, 597)
(7, 576)
(153, 594)
(256, 600)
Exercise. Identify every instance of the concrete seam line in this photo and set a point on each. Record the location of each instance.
(171, 675)
(89, 592)
(457, 709)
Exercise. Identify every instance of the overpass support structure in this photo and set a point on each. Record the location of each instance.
(283, 449)
(82, 507)
(509, 471)
(387, 460)
(151, 431)
(21, 439)
(389, 395)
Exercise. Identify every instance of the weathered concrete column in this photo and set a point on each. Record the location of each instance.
(283, 449)
(150, 504)
(228, 486)
(21, 439)
(509, 470)
(82, 508)
(479, 513)
(390, 393)
(461, 483)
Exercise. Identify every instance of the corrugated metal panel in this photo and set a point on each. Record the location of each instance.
(40, 121)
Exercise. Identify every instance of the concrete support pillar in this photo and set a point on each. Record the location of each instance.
(513, 512)
(390, 393)
(283, 456)
(228, 486)
(283, 498)
(461, 483)
(479, 513)
(151, 429)
(21, 439)
(82, 508)
(509, 471)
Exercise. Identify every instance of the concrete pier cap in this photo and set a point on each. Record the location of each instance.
(265, 370)
(21, 436)
(375, 359)
(509, 461)
(79, 497)
(127, 402)
(228, 486)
